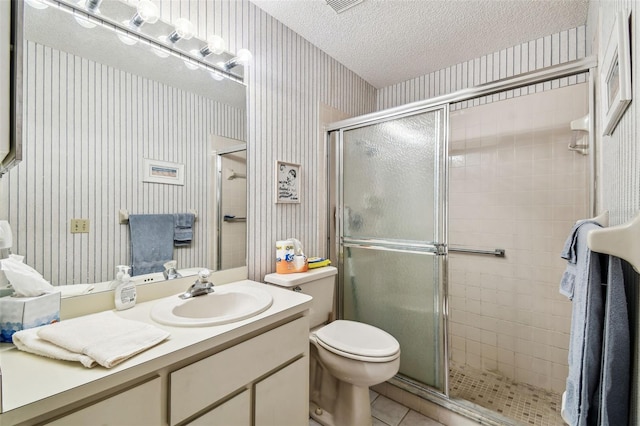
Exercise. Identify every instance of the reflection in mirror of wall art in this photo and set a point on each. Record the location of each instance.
(288, 178)
(156, 171)
(616, 74)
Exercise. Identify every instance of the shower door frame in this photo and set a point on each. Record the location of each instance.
(568, 69)
(437, 248)
(220, 219)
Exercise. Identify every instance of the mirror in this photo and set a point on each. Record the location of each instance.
(96, 112)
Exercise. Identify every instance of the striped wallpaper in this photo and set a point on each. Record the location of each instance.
(287, 83)
(536, 54)
(619, 168)
(69, 101)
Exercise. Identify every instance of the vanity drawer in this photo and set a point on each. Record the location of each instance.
(201, 384)
(283, 398)
(236, 412)
(137, 406)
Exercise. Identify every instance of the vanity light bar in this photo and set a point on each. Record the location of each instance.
(106, 22)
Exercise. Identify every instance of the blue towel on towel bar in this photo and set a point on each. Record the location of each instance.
(599, 348)
(183, 231)
(151, 242)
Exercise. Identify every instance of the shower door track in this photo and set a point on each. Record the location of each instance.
(543, 75)
(571, 68)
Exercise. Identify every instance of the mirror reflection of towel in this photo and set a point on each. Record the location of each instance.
(151, 242)
(183, 231)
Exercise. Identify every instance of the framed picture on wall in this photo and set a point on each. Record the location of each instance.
(156, 171)
(615, 75)
(288, 182)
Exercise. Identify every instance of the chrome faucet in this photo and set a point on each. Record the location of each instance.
(201, 287)
(170, 272)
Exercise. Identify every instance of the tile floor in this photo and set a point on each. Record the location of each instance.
(524, 403)
(386, 412)
(519, 403)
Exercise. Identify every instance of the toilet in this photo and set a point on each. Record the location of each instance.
(346, 356)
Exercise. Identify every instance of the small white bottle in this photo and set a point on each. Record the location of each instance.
(126, 290)
(115, 283)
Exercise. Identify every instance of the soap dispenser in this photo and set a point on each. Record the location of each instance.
(125, 290)
(115, 283)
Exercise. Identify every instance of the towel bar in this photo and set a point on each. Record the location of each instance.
(235, 219)
(124, 215)
(495, 252)
(622, 241)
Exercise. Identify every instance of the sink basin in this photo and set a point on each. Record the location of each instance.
(228, 303)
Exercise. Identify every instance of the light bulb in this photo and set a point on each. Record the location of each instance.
(184, 29)
(147, 11)
(215, 45)
(244, 56)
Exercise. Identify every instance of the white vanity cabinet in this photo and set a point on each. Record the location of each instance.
(234, 412)
(281, 396)
(249, 373)
(139, 406)
(279, 354)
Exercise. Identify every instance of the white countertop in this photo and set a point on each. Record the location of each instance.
(27, 378)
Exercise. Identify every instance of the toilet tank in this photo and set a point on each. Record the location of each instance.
(318, 283)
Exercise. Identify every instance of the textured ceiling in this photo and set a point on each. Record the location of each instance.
(390, 41)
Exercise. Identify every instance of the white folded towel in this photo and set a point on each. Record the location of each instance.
(103, 337)
(74, 289)
(28, 341)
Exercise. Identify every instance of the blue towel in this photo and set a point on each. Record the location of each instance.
(616, 353)
(587, 318)
(151, 242)
(599, 348)
(569, 252)
(183, 229)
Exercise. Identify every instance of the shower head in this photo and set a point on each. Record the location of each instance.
(231, 174)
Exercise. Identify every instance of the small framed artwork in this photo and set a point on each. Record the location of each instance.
(615, 76)
(156, 171)
(288, 182)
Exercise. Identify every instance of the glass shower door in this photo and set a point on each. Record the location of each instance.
(392, 239)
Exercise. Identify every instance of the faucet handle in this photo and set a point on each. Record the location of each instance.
(203, 275)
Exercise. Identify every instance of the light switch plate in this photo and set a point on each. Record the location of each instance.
(79, 226)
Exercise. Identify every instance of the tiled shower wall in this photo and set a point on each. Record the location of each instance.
(514, 185)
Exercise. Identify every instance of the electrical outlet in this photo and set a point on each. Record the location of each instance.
(79, 226)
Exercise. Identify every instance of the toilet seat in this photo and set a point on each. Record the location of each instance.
(358, 341)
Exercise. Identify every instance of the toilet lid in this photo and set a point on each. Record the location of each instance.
(358, 339)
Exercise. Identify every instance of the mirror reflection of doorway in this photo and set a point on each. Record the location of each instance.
(231, 207)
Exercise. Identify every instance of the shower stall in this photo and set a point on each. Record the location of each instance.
(231, 199)
(450, 216)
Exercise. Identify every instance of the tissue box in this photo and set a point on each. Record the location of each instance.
(20, 313)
